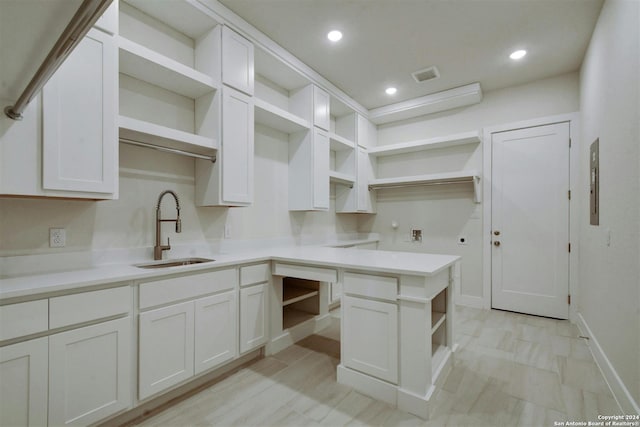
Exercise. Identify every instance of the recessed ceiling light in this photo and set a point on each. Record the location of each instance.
(518, 54)
(391, 90)
(334, 35)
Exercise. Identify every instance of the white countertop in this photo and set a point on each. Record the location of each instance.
(27, 287)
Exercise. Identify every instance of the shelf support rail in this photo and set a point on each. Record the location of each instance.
(211, 158)
(79, 25)
(475, 180)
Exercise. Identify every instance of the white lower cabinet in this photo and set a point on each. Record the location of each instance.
(166, 348)
(370, 343)
(253, 317)
(216, 329)
(23, 383)
(90, 373)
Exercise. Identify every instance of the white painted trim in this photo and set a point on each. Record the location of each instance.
(260, 40)
(292, 335)
(368, 385)
(436, 102)
(624, 399)
(574, 219)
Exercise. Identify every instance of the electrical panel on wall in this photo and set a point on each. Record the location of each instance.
(594, 196)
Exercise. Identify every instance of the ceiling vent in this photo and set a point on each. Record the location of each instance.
(426, 74)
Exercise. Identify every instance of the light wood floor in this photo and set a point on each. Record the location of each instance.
(510, 370)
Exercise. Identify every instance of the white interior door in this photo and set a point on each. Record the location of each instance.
(530, 220)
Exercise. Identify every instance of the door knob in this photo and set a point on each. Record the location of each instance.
(496, 243)
(497, 233)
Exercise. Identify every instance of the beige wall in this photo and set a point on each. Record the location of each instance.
(610, 105)
(129, 221)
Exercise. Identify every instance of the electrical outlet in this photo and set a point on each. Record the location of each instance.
(57, 237)
(416, 235)
(462, 240)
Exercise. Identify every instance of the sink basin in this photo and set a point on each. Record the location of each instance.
(174, 262)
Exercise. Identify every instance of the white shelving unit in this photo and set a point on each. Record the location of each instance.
(340, 143)
(341, 178)
(426, 144)
(283, 98)
(169, 59)
(144, 64)
(454, 177)
(277, 118)
(150, 133)
(462, 177)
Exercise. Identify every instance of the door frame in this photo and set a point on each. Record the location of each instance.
(574, 203)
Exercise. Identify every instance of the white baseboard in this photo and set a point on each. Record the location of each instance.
(368, 385)
(298, 332)
(626, 402)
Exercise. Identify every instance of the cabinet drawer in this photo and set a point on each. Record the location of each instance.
(366, 285)
(22, 319)
(258, 273)
(70, 309)
(305, 272)
(175, 289)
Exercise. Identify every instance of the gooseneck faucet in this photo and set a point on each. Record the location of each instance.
(159, 247)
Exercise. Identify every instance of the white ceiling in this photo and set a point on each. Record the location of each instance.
(386, 40)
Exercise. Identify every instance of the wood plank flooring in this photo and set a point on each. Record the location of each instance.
(510, 370)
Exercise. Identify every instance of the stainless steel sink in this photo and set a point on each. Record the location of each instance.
(174, 262)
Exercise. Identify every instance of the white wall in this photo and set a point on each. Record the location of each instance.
(445, 213)
(610, 275)
(129, 221)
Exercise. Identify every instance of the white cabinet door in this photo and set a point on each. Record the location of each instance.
(79, 111)
(253, 317)
(321, 111)
(320, 169)
(165, 348)
(216, 330)
(371, 337)
(237, 148)
(90, 373)
(23, 383)
(237, 61)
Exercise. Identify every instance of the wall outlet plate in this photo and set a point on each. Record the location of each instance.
(416, 235)
(57, 237)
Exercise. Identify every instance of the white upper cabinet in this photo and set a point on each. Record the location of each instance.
(229, 181)
(321, 111)
(309, 170)
(66, 145)
(237, 61)
(79, 120)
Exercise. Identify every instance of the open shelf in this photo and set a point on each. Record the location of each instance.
(461, 177)
(189, 17)
(437, 320)
(339, 143)
(426, 144)
(151, 133)
(149, 66)
(293, 294)
(341, 178)
(278, 118)
(292, 317)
